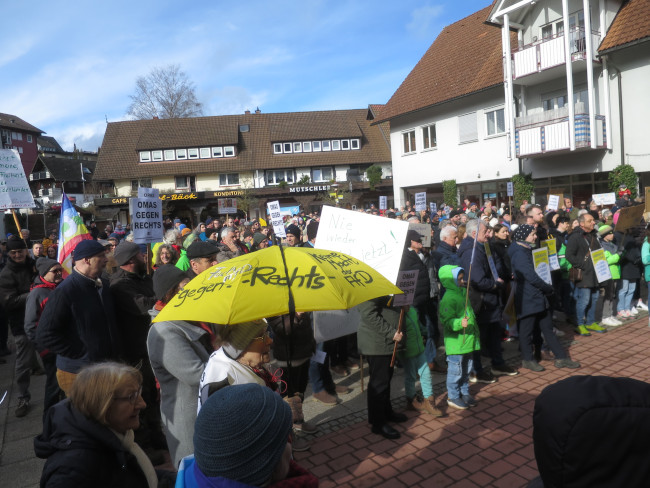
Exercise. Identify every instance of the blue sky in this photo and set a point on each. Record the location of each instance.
(66, 67)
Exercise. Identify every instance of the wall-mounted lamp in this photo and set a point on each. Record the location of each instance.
(478, 175)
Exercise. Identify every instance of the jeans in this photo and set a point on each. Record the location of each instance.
(625, 292)
(319, 374)
(414, 367)
(458, 368)
(586, 299)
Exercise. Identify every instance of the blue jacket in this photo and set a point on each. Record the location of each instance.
(531, 291)
(481, 282)
(444, 255)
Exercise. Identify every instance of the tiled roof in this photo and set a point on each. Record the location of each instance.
(8, 121)
(47, 142)
(119, 158)
(632, 23)
(66, 169)
(465, 58)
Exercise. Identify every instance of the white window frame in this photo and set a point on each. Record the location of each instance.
(229, 151)
(355, 144)
(205, 153)
(433, 141)
(410, 137)
(336, 145)
(170, 155)
(226, 177)
(297, 147)
(275, 182)
(345, 144)
(492, 112)
(306, 146)
(316, 146)
(20, 149)
(29, 138)
(467, 128)
(320, 171)
(157, 155)
(182, 187)
(145, 156)
(287, 147)
(181, 154)
(17, 136)
(217, 152)
(193, 153)
(327, 146)
(277, 148)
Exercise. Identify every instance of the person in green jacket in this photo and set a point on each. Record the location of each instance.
(415, 364)
(461, 336)
(183, 262)
(612, 255)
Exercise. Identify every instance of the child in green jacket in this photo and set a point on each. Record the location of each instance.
(461, 336)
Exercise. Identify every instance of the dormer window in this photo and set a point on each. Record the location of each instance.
(170, 155)
(193, 153)
(181, 153)
(156, 155)
(145, 156)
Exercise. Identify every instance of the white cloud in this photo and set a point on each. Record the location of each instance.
(86, 136)
(422, 21)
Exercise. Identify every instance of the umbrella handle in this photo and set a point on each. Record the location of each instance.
(402, 315)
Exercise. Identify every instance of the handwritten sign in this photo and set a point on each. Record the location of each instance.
(601, 267)
(542, 267)
(335, 323)
(420, 201)
(434, 207)
(553, 202)
(425, 233)
(376, 241)
(227, 205)
(604, 198)
(383, 202)
(276, 218)
(406, 281)
(629, 217)
(14, 190)
(551, 245)
(146, 219)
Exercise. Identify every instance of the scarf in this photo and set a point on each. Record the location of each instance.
(127, 440)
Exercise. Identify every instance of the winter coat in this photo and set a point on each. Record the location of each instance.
(412, 339)
(577, 250)
(592, 431)
(292, 343)
(613, 257)
(377, 327)
(133, 296)
(183, 262)
(38, 297)
(484, 291)
(452, 312)
(411, 262)
(15, 281)
(81, 452)
(79, 324)
(499, 248)
(178, 357)
(631, 257)
(531, 291)
(445, 254)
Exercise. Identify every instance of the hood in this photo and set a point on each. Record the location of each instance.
(448, 275)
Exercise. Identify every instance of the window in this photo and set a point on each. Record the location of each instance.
(170, 154)
(429, 136)
(277, 176)
(17, 136)
(141, 183)
(229, 179)
(20, 150)
(229, 151)
(316, 146)
(322, 174)
(29, 138)
(217, 152)
(181, 153)
(355, 144)
(277, 148)
(409, 141)
(467, 130)
(306, 146)
(297, 147)
(145, 156)
(345, 145)
(287, 147)
(554, 103)
(156, 155)
(496, 122)
(244, 128)
(182, 182)
(193, 153)
(336, 145)
(204, 152)
(326, 146)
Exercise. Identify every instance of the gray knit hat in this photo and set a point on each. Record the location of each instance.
(43, 265)
(241, 433)
(237, 337)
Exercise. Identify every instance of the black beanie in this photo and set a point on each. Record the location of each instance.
(14, 243)
(165, 278)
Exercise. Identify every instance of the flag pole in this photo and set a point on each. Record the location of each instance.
(13, 212)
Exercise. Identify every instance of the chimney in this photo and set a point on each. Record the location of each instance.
(258, 111)
(155, 117)
(247, 112)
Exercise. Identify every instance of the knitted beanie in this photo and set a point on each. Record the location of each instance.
(87, 249)
(241, 432)
(15, 243)
(237, 337)
(43, 265)
(523, 231)
(165, 278)
(294, 229)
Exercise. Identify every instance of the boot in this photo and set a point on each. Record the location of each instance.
(295, 402)
(414, 404)
(430, 407)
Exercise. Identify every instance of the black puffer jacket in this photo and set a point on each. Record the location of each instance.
(15, 281)
(592, 431)
(83, 453)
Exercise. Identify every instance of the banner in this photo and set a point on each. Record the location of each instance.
(146, 216)
(420, 201)
(377, 241)
(604, 198)
(276, 218)
(553, 202)
(601, 267)
(71, 231)
(383, 203)
(510, 189)
(227, 205)
(425, 233)
(14, 190)
(551, 245)
(406, 281)
(540, 261)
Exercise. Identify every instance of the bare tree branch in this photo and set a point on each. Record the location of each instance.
(166, 93)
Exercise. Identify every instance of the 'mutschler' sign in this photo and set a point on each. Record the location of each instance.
(146, 217)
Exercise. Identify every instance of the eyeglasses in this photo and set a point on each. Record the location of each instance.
(56, 271)
(264, 337)
(132, 398)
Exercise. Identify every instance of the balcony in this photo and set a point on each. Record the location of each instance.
(547, 54)
(548, 132)
(40, 175)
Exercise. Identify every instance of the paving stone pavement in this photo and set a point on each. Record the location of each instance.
(487, 446)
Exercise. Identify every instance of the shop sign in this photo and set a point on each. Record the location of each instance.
(309, 189)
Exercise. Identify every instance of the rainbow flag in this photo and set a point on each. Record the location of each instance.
(71, 231)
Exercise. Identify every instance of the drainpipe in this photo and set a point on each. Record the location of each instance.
(569, 77)
(590, 73)
(509, 110)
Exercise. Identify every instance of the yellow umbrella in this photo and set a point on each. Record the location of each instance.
(255, 286)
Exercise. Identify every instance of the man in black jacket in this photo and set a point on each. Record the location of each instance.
(15, 281)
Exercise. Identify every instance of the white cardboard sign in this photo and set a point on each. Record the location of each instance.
(604, 198)
(420, 201)
(14, 190)
(146, 220)
(276, 218)
(553, 202)
(383, 202)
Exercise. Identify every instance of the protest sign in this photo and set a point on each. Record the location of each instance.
(425, 233)
(420, 201)
(540, 261)
(14, 190)
(276, 218)
(148, 192)
(335, 323)
(629, 217)
(406, 281)
(510, 189)
(551, 245)
(377, 241)
(227, 205)
(146, 217)
(553, 202)
(490, 258)
(434, 207)
(383, 203)
(604, 198)
(601, 267)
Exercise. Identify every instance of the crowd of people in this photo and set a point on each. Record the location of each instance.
(127, 395)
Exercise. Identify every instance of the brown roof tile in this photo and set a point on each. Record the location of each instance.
(632, 23)
(8, 121)
(119, 158)
(465, 58)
